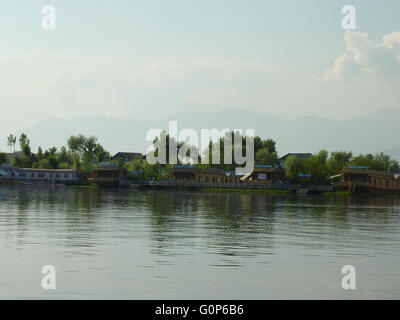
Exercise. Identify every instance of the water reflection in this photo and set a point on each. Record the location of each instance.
(233, 224)
(163, 238)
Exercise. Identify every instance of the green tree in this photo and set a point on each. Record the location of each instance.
(17, 162)
(120, 162)
(11, 141)
(263, 156)
(338, 161)
(3, 158)
(379, 161)
(26, 150)
(44, 164)
(162, 145)
(87, 149)
(270, 145)
(39, 154)
(317, 166)
(258, 144)
(90, 147)
(294, 167)
(64, 156)
(236, 143)
(342, 157)
(23, 140)
(101, 154)
(76, 162)
(76, 143)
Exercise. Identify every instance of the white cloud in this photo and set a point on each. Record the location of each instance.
(34, 86)
(365, 61)
(392, 40)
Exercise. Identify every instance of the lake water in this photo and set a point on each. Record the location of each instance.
(134, 244)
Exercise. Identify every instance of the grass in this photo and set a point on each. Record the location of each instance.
(81, 184)
(269, 191)
(362, 194)
(337, 193)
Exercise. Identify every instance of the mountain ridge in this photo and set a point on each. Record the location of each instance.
(371, 133)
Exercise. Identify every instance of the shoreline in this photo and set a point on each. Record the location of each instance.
(337, 193)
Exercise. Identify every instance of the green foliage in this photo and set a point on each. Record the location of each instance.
(82, 154)
(149, 171)
(321, 167)
(162, 148)
(76, 162)
(39, 154)
(22, 162)
(101, 154)
(11, 141)
(264, 151)
(317, 166)
(3, 158)
(26, 150)
(23, 140)
(263, 156)
(342, 158)
(44, 164)
(86, 163)
(294, 167)
(64, 156)
(88, 149)
(379, 161)
(120, 162)
(269, 145)
(76, 143)
(52, 161)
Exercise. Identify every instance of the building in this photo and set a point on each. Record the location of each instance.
(9, 173)
(127, 156)
(265, 174)
(209, 175)
(300, 156)
(361, 178)
(109, 176)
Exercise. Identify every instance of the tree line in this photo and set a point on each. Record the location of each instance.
(84, 153)
(81, 153)
(317, 169)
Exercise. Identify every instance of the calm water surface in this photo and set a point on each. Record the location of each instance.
(132, 244)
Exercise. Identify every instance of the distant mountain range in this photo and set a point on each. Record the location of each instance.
(371, 133)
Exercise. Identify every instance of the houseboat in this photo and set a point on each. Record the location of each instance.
(362, 179)
(191, 174)
(109, 176)
(265, 174)
(14, 175)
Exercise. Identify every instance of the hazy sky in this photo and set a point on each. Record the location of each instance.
(152, 59)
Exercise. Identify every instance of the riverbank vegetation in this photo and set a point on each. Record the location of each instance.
(322, 165)
(317, 169)
(85, 153)
(269, 191)
(81, 153)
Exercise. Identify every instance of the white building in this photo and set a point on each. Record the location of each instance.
(11, 173)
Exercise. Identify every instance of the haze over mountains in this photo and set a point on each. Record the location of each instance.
(371, 133)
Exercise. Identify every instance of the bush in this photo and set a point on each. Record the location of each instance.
(3, 158)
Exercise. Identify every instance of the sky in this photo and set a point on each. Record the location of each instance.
(153, 59)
